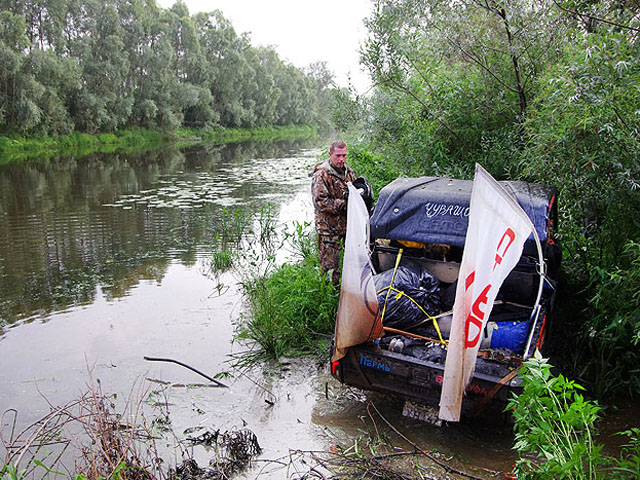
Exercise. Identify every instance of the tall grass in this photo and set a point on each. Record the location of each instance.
(292, 308)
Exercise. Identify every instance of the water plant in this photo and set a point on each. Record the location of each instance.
(9, 472)
(221, 260)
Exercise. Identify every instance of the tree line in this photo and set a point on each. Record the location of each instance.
(96, 66)
(539, 90)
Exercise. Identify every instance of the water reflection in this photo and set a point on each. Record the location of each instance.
(69, 225)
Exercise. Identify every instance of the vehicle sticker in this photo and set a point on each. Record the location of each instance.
(368, 362)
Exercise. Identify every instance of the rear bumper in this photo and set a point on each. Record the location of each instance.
(371, 368)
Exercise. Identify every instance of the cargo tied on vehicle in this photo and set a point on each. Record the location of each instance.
(402, 311)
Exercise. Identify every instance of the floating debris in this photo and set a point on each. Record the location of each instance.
(233, 451)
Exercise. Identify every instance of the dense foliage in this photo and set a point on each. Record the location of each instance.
(99, 66)
(554, 422)
(540, 90)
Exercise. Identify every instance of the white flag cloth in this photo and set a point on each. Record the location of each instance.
(358, 318)
(498, 228)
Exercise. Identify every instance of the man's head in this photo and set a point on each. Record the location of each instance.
(338, 154)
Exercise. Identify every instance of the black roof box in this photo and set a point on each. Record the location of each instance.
(436, 209)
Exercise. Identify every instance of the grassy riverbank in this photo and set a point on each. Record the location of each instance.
(135, 140)
(229, 135)
(16, 148)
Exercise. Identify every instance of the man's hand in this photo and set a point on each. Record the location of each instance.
(345, 197)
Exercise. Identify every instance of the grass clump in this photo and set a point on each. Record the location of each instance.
(293, 307)
(221, 260)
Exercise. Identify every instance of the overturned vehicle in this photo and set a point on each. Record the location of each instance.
(392, 334)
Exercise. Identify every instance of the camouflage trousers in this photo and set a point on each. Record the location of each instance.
(330, 248)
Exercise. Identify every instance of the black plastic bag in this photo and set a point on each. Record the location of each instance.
(415, 282)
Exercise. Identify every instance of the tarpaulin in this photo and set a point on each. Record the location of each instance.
(498, 228)
(358, 318)
(436, 209)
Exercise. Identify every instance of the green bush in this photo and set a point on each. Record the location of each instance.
(582, 140)
(611, 333)
(555, 423)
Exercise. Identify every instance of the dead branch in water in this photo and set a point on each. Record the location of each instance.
(446, 468)
(170, 360)
(334, 465)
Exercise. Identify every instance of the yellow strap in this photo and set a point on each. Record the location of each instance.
(400, 294)
(393, 277)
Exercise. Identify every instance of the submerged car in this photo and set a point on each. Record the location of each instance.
(417, 238)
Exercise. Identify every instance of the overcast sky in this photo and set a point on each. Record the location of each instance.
(301, 31)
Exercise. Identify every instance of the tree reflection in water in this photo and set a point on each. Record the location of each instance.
(69, 225)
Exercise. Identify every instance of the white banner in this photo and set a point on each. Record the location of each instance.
(498, 228)
(358, 318)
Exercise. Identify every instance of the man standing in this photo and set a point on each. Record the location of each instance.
(329, 192)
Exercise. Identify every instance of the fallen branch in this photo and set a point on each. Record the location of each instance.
(446, 467)
(169, 360)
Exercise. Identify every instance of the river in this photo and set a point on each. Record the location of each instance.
(106, 259)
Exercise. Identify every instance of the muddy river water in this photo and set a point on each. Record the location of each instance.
(106, 259)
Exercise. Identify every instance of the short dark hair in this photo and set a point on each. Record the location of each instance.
(338, 144)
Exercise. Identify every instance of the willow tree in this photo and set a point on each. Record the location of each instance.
(98, 66)
(461, 68)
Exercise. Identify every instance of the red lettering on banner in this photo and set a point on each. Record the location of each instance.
(481, 300)
(476, 316)
(469, 280)
(509, 235)
(478, 323)
(477, 319)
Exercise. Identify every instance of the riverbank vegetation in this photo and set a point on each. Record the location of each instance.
(556, 431)
(17, 147)
(138, 140)
(291, 306)
(102, 67)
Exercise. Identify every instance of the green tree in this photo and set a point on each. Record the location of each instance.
(97, 66)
